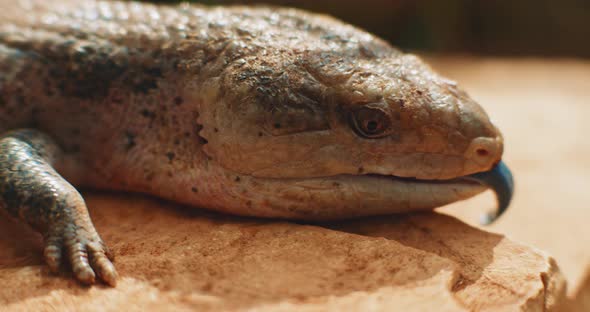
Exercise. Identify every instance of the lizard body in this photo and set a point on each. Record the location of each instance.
(257, 111)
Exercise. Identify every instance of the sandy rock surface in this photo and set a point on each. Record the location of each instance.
(171, 257)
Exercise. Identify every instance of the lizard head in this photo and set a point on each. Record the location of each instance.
(370, 133)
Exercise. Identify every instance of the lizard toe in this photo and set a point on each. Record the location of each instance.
(101, 263)
(81, 268)
(53, 254)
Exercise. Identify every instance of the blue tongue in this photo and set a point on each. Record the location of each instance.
(499, 179)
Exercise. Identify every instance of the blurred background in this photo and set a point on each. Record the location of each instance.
(487, 27)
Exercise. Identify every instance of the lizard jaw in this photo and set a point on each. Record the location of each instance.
(347, 196)
(498, 179)
(342, 196)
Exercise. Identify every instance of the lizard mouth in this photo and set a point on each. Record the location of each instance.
(345, 196)
(425, 181)
(498, 179)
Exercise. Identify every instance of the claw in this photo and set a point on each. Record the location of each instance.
(80, 266)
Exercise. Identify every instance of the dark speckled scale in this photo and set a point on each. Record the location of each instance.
(27, 178)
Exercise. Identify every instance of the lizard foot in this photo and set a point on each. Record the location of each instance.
(33, 191)
(87, 254)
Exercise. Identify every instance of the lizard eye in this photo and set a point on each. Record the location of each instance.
(371, 122)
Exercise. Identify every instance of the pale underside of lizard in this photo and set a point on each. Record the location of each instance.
(257, 111)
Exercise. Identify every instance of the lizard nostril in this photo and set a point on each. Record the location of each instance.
(482, 152)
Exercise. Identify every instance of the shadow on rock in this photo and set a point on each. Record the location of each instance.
(471, 250)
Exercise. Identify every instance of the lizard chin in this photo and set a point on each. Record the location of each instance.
(342, 196)
(498, 179)
(345, 196)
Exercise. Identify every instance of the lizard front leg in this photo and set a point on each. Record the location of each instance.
(32, 191)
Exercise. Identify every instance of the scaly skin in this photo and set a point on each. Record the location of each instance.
(250, 111)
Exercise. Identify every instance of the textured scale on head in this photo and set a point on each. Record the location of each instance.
(345, 107)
